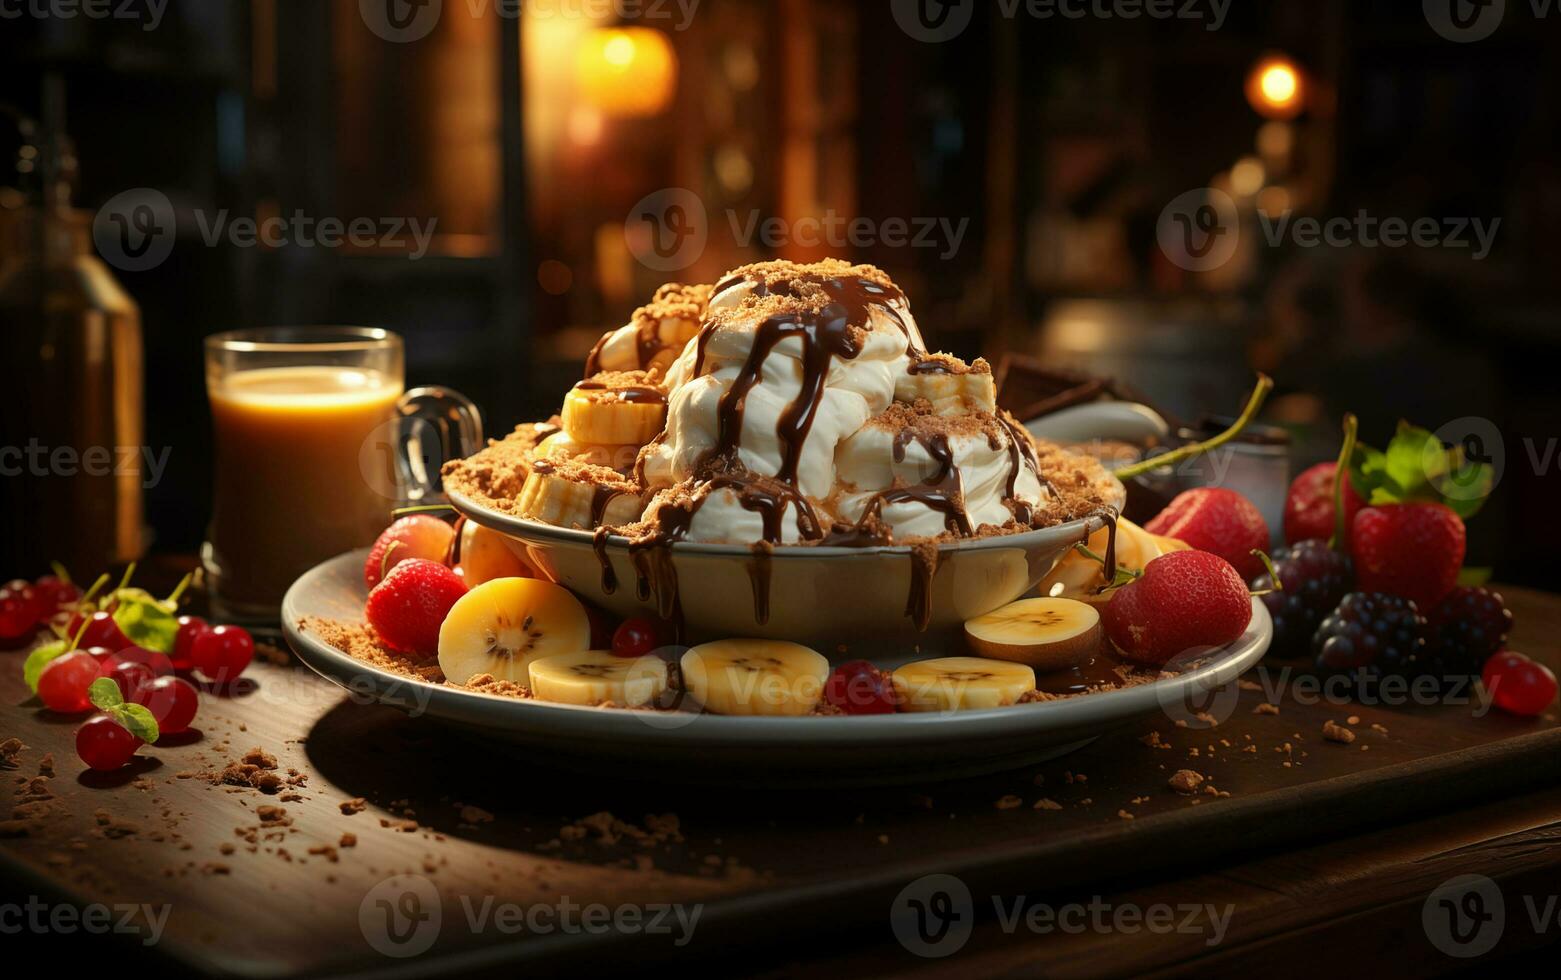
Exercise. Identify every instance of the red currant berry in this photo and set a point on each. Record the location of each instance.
(102, 631)
(859, 688)
(222, 653)
(20, 588)
(104, 745)
(634, 638)
(190, 627)
(172, 701)
(55, 593)
(63, 684)
(1517, 684)
(130, 677)
(16, 617)
(157, 663)
(102, 656)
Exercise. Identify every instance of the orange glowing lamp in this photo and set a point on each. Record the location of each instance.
(1275, 88)
(626, 71)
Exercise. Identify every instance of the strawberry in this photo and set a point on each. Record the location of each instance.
(408, 606)
(1309, 505)
(1216, 520)
(413, 536)
(1185, 600)
(1412, 550)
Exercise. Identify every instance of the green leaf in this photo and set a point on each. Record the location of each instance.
(104, 694)
(1418, 467)
(138, 720)
(1474, 577)
(1413, 459)
(146, 622)
(41, 658)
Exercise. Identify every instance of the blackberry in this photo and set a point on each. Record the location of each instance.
(1315, 578)
(1466, 628)
(1375, 632)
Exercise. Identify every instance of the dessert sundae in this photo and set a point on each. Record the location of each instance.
(786, 405)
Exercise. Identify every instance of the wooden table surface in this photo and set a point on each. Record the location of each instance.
(1318, 847)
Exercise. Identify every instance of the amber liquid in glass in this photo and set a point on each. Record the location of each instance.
(294, 482)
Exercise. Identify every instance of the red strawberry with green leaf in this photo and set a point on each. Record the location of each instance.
(1219, 521)
(1412, 550)
(1410, 540)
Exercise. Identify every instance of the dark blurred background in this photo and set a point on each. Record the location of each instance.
(529, 132)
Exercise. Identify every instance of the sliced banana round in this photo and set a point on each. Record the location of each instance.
(755, 677)
(961, 683)
(1046, 633)
(622, 415)
(1077, 576)
(501, 626)
(596, 676)
(561, 446)
(574, 494)
(952, 386)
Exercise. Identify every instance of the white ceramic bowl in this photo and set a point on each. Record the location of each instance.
(685, 746)
(826, 597)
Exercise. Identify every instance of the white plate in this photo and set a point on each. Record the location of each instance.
(690, 747)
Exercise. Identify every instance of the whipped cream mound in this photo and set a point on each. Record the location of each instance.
(814, 379)
(924, 474)
(801, 407)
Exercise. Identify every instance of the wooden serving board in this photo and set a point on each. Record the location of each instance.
(488, 835)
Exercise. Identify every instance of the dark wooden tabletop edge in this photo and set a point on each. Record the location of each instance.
(835, 906)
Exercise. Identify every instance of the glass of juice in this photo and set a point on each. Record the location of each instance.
(296, 412)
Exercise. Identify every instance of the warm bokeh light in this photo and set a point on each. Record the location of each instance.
(627, 71)
(1275, 88)
(1247, 176)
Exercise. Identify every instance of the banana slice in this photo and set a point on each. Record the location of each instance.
(655, 335)
(755, 677)
(595, 676)
(575, 494)
(1046, 633)
(952, 386)
(617, 408)
(501, 626)
(1076, 576)
(961, 683)
(561, 446)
